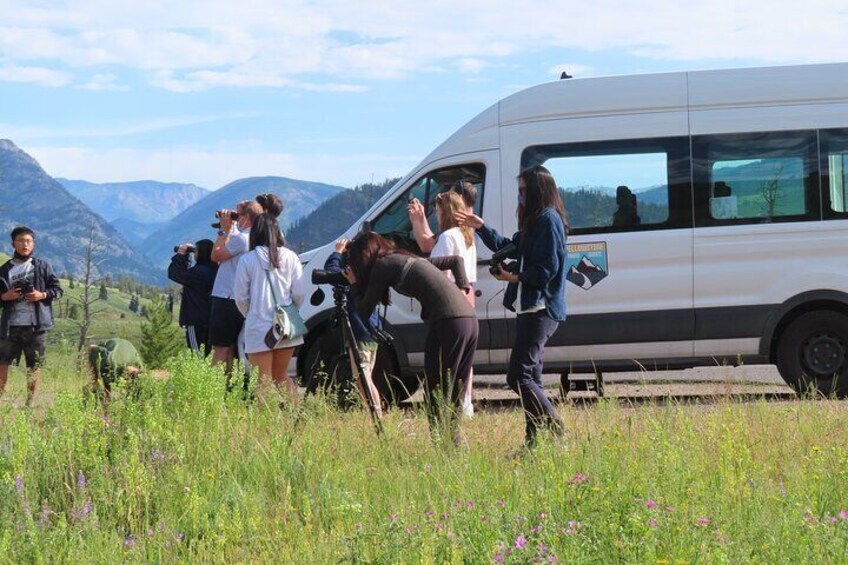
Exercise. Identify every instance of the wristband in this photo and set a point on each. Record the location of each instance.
(222, 233)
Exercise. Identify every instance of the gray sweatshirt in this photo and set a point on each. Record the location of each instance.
(424, 281)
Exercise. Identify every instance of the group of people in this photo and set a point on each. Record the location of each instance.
(236, 283)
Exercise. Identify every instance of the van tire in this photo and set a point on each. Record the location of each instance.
(326, 348)
(812, 354)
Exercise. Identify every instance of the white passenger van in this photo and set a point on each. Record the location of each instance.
(708, 220)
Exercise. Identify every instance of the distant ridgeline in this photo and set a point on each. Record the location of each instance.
(62, 223)
(589, 207)
(299, 197)
(329, 220)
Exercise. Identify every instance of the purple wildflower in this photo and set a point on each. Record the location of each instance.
(80, 513)
(552, 559)
(393, 518)
(483, 518)
(80, 480)
(650, 504)
(469, 505)
(129, 541)
(444, 516)
(498, 558)
(579, 479)
(652, 523)
(501, 502)
(542, 549)
(844, 515)
(44, 516)
(19, 484)
(537, 529)
(704, 522)
(430, 513)
(833, 519)
(543, 516)
(180, 536)
(520, 542)
(157, 458)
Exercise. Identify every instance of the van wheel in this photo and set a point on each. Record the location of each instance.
(326, 368)
(812, 353)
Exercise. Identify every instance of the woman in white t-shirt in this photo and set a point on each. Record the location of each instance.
(454, 240)
(267, 263)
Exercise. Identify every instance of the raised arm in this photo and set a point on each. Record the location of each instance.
(420, 228)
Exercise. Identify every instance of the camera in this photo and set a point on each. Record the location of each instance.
(498, 257)
(25, 286)
(233, 216)
(189, 249)
(320, 276)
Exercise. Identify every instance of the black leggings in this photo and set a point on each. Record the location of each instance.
(525, 373)
(448, 358)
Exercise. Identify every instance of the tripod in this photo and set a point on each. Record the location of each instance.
(340, 322)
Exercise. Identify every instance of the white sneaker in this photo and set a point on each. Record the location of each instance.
(467, 409)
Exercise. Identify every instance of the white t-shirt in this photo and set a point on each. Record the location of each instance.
(225, 279)
(255, 299)
(22, 313)
(451, 242)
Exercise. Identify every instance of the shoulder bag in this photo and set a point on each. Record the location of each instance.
(288, 324)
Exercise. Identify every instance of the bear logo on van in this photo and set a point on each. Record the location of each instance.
(587, 264)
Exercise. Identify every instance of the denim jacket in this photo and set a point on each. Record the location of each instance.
(543, 258)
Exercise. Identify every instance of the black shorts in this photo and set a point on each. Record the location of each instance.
(225, 322)
(23, 340)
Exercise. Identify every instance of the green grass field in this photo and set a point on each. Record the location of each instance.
(186, 473)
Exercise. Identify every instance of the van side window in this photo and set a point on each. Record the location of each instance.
(393, 221)
(834, 165)
(755, 178)
(620, 186)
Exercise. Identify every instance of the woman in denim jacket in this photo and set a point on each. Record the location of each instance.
(538, 286)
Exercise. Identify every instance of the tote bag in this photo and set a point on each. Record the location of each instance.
(288, 324)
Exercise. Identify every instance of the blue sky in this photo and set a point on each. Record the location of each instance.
(336, 91)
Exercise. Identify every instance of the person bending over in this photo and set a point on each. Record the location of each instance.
(28, 287)
(197, 282)
(375, 266)
(110, 360)
(362, 330)
(536, 292)
(268, 263)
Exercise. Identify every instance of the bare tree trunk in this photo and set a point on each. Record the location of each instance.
(88, 282)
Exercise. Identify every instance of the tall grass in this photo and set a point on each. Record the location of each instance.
(182, 472)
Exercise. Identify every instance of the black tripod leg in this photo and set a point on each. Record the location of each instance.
(363, 377)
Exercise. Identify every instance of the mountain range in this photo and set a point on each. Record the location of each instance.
(136, 209)
(193, 223)
(62, 223)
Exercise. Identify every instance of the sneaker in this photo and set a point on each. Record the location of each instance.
(467, 410)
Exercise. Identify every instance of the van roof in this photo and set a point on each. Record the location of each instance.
(758, 86)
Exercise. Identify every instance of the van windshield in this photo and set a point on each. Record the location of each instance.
(393, 222)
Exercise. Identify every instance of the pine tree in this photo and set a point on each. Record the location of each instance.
(160, 338)
(104, 294)
(133, 303)
(71, 282)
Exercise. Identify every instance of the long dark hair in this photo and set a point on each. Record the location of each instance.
(203, 252)
(365, 250)
(541, 192)
(266, 231)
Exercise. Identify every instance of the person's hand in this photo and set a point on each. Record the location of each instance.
(465, 219)
(11, 295)
(416, 212)
(348, 274)
(505, 276)
(35, 296)
(183, 249)
(226, 220)
(341, 245)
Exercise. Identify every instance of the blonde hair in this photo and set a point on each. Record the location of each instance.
(447, 205)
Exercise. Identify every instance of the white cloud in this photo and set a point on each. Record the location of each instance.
(101, 82)
(193, 45)
(34, 75)
(216, 167)
(27, 133)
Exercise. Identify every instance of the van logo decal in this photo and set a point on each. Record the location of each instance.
(587, 263)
